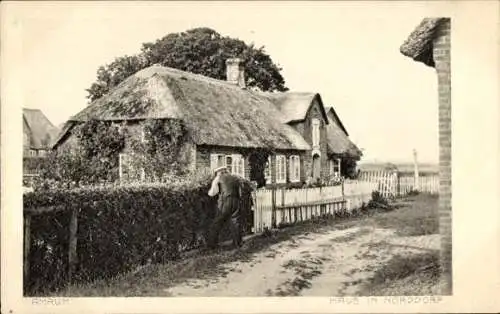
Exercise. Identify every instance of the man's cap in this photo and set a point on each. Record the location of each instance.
(220, 169)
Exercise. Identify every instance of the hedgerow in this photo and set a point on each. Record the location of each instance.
(119, 227)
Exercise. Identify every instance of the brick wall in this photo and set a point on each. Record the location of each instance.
(441, 52)
(203, 159)
(305, 129)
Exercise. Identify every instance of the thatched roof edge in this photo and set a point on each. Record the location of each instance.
(418, 45)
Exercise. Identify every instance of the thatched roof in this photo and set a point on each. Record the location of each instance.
(294, 106)
(338, 140)
(332, 115)
(215, 112)
(42, 132)
(418, 45)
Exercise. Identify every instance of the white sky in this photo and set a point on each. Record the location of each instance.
(347, 53)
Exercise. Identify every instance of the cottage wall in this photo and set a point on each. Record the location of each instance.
(203, 156)
(305, 129)
(203, 161)
(69, 144)
(134, 133)
(441, 53)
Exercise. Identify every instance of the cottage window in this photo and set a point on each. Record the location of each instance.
(315, 132)
(267, 170)
(126, 169)
(294, 168)
(123, 166)
(32, 152)
(280, 169)
(42, 153)
(335, 167)
(217, 160)
(235, 163)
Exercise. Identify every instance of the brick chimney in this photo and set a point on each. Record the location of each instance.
(235, 73)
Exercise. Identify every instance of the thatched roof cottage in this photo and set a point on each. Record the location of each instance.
(38, 133)
(430, 44)
(267, 137)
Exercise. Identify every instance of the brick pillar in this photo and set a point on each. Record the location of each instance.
(441, 52)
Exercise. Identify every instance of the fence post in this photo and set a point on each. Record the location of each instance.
(398, 184)
(27, 247)
(415, 166)
(72, 257)
(344, 205)
(282, 209)
(273, 207)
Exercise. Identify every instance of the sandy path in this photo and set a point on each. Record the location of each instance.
(331, 263)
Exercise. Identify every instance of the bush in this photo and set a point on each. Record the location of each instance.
(413, 192)
(378, 200)
(119, 227)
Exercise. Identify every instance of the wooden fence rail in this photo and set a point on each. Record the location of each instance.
(274, 207)
(394, 184)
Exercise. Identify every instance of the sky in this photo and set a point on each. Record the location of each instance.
(347, 53)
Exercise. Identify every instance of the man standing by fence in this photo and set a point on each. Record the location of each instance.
(229, 189)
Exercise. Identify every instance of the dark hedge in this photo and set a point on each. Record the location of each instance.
(120, 227)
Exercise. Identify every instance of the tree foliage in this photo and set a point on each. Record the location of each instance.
(199, 50)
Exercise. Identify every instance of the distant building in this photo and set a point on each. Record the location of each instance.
(38, 136)
(38, 133)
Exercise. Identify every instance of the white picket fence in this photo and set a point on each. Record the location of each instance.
(393, 184)
(295, 205)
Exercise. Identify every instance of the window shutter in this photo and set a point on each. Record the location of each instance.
(278, 168)
(284, 169)
(120, 165)
(297, 168)
(213, 161)
(267, 171)
(123, 166)
(242, 166)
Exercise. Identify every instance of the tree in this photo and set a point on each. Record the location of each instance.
(199, 50)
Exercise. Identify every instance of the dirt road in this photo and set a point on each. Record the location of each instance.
(328, 263)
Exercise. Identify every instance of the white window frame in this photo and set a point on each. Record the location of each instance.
(124, 158)
(121, 160)
(335, 169)
(214, 160)
(280, 169)
(237, 165)
(267, 171)
(294, 168)
(32, 152)
(315, 123)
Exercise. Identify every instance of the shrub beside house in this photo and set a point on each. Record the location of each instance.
(271, 138)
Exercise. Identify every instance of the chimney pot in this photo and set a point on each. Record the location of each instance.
(235, 73)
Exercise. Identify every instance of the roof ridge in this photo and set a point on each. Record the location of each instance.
(190, 74)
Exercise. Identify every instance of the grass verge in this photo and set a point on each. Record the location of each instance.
(414, 216)
(406, 275)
